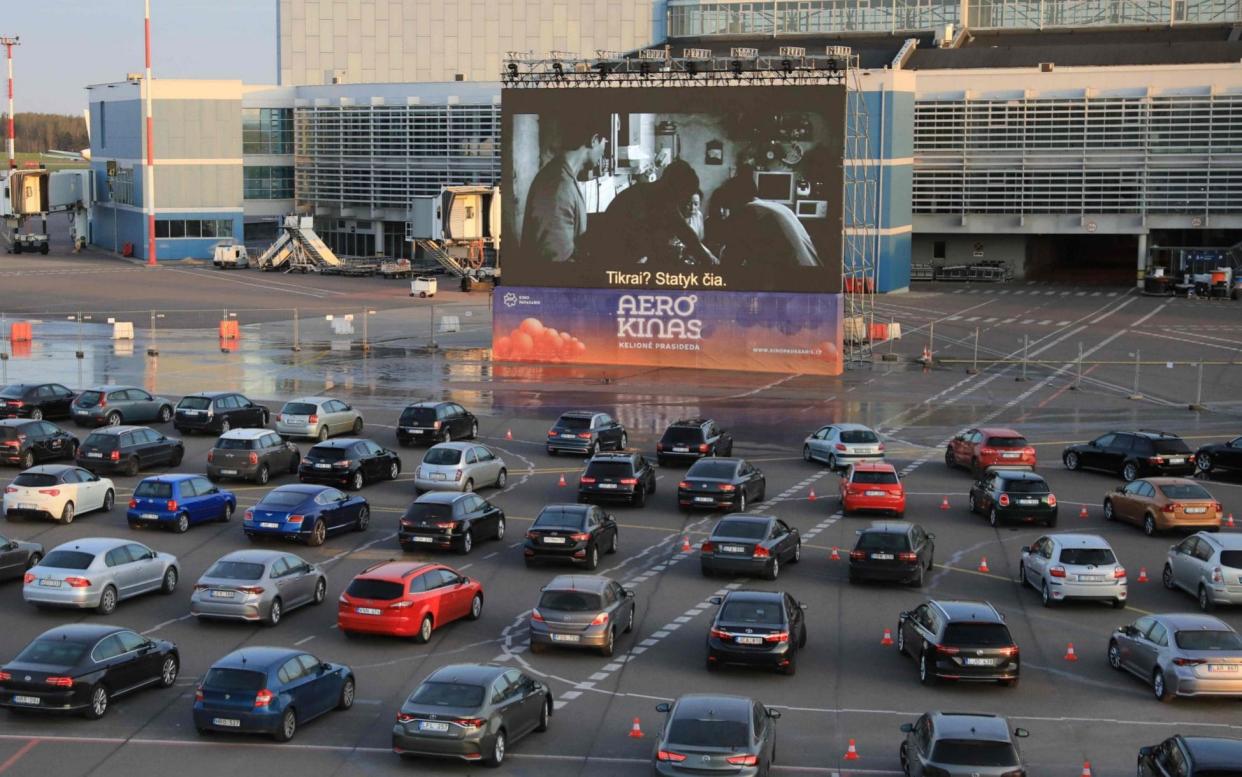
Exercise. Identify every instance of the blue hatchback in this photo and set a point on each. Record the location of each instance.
(306, 513)
(178, 502)
(270, 690)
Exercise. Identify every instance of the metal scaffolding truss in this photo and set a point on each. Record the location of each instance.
(861, 222)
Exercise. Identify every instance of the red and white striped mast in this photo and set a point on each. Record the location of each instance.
(148, 184)
(10, 137)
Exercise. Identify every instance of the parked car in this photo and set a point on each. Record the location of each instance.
(840, 445)
(115, 405)
(178, 502)
(872, 487)
(432, 422)
(218, 411)
(1004, 495)
(82, 667)
(459, 466)
(732, 484)
(348, 462)
(128, 450)
(257, 585)
(35, 401)
(16, 556)
(251, 454)
(407, 599)
(58, 492)
(581, 611)
(622, 476)
(959, 640)
(306, 513)
(473, 712)
(1208, 567)
(1161, 504)
(693, 438)
(750, 545)
(270, 690)
(318, 418)
(573, 533)
(448, 519)
(961, 744)
(586, 432)
(726, 734)
(1220, 457)
(1180, 654)
(1074, 566)
(1133, 455)
(757, 628)
(978, 449)
(26, 443)
(97, 572)
(1186, 756)
(892, 551)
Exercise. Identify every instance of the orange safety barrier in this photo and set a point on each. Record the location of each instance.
(20, 332)
(228, 345)
(21, 349)
(230, 330)
(859, 285)
(879, 332)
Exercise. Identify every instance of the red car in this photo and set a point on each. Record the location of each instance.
(407, 599)
(872, 487)
(991, 446)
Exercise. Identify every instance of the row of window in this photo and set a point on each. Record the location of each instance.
(193, 228)
(267, 130)
(268, 183)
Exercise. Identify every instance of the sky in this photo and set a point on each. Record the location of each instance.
(67, 44)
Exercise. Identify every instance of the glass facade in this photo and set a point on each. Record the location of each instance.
(268, 183)
(267, 130)
(193, 228)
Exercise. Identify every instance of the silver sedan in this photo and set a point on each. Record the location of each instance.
(459, 466)
(254, 585)
(97, 572)
(1180, 654)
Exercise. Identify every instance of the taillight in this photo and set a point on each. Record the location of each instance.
(1056, 571)
(629, 481)
(278, 417)
(551, 432)
(295, 519)
(307, 461)
(1010, 651)
(1219, 506)
(10, 490)
(28, 578)
(659, 446)
(720, 633)
(471, 722)
(436, 425)
(60, 682)
(858, 555)
(5, 676)
(254, 457)
(948, 651)
(584, 435)
(445, 525)
(683, 484)
(314, 419)
(401, 604)
(457, 475)
(762, 552)
(581, 536)
(707, 547)
(211, 456)
(1171, 507)
(248, 515)
(201, 587)
(987, 451)
(1119, 572)
(50, 491)
(1051, 500)
(114, 456)
(103, 401)
(779, 636)
(263, 698)
(727, 487)
(344, 464)
(585, 479)
(133, 503)
(77, 582)
(669, 755)
(907, 556)
(536, 616)
(742, 760)
(1217, 575)
(253, 590)
(1189, 661)
(198, 693)
(172, 505)
(703, 448)
(600, 619)
(841, 447)
(1004, 500)
(530, 535)
(404, 717)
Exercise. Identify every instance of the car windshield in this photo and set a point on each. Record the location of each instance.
(154, 489)
(277, 500)
(1006, 442)
(965, 752)
(1231, 558)
(34, 480)
(1185, 491)
(875, 478)
(420, 416)
(328, 453)
(1202, 639)
(858, 437)
(762, 613)
(194, 403)
(977, 634)
(56, 652)
(447, 695)
(1088, 556)
(881, 540)
(559, 519)
(88, 398)
(683, 435)
(442, 456)
(101, 441)
(235, 444)
(235, 570)
(1167, 446)
(610, 469)
(16, 391)
(573, 423)
(708, 732)
(299, 408)
(706, 468)
(68, 559)
(1025, 486)
(748, 530)
(364, 588)
(571, 601)
(233, 680)
(428, 512)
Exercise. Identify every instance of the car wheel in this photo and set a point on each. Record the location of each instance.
(165, 414)
(1159, 688)
(1071, 461)
(640, 497)
(629, 623)
(832, 462)
(474, 430)
(625, 442)
(1114, 655)
(791, 668)
(321, 591)
(348, 689)
(322, 434)
(610, 645)
(806, 453)
(543, 716)
(275, 612)
(183, 524)
(467, 543)
(66, 513)
(319, 532)
(926, 676)
(36, 414)
(394, 470)
(741, 502)
(28, 460)
(447, 436)
(424, 631)
(949, 460)
(1109, 513)
(169, 584)
(1119, 604)
(476, 607)
(131, 467)
(1022, 581)
(502, 478)
(107, 601)
(500, 528)
(1203, 465)
(918, 580)
(1149, 525)
(1129, 471)
(357, 481)
(592, 557)
(357, 426)
(901, 641)
(225, 426)
(364, 518)
(973, 504)
(1166, 577)
(168, 671)
(34, 560)
(774, 569)
(288, 726)
(178, 455)
(594, 449)
(98, 705)
(797, 554)
(113, 419)
(498, 751)
(1045, 596)
(264, 475)
(993, 518)
(1205, 600)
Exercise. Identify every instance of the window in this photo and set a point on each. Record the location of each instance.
(267, 130)
(292, 670)
(268, 183)
(193, 228)
(108, 648)
(130, 641)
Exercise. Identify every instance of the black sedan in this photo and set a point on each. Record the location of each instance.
(349, 462)
(574, 533)
(472, 712)
(892, 551)
(717, 483)
(83, 666)
(27, 443)
(1013, 495)
(711, 733)
(750, 545)
(449, 520)
(1188, 756)
(757, 628)
(35, 400)
(1213, 459)
(218, 411)
(17, 556)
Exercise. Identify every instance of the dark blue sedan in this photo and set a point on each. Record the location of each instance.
(307, 513)
(178, 502)
(269, 690)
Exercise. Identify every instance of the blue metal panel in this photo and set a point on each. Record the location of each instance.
(895, 191)
(116, 128)
(893, 271)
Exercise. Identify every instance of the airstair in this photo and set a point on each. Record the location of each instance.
(298, 249)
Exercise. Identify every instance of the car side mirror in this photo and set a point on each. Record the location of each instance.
(1021, 732)
(663, 707)
(323, 668)
(931, 536)
(1146, 751)
(1120, 489)
(716, 600)
(1026, 551)
(801, 605)
(10, 546)
(907, 728)
(774, 714)
(629, 594)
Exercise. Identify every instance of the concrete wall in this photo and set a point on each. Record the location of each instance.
(963, 249)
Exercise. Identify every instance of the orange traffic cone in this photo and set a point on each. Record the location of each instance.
(887, 639)
(852, 753)
(835, 556)
(508, 434)
(1142, 578)
(685, 543)
(1083, 512)
(983, 565)
(1086, 769)
(944, 503)
(926, 357)
(1070, 655)
(636, 731)
(1229, 521)
(561, 482)
(811, 496)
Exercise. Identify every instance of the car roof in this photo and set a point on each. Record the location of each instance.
(1173, 482)
(1224, 541)
(1153, 434)
(309, 400)
(873, 466)
(81, 632)
(171, 477)
(427, 403)
(95, 545)
(254, 555)
(309, 489)
(970, 725)
(962, 610)
(16, 421)
(717, 705)
(887, 527)
(1088, 541)
(245, 434)
(621, 454)
(852, 427)
(1192, 621)
(752, 595)
(590, 583)
(257, 659)
(1214, 752)
(441, 497)
(469, 674)
(457, 446)
(115, 430)
(734, 460)
(113, 387)
(394, 570)
(210, 394)
(48, 469)
(999, 431)
(690, 422)
(339, 442)
(580, 413)
(744, 518)
(1018, 474)
(567, 507)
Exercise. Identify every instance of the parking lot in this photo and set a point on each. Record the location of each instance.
(848, 686)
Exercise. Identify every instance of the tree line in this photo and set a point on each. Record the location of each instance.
(38, 132)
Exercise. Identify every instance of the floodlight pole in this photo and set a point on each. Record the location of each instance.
(148, 184)
(10, 136)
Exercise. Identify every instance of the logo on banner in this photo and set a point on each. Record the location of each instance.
(511, 300)
(657, 322)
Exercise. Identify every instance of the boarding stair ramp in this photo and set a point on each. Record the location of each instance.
(299, 249)
(442, 257)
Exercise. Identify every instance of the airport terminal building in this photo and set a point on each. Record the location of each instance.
(1067, 140)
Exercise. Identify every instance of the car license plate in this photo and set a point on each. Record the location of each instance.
(732, 548)
(554, 540)
(568, 436)
(323, 466)
(149, 517)
(94, 455)
(1011, 455)
(1222, 667)
(27, 507)
(295, 420)
(226, 722)
(221, 594)
(705, 499)
(1178, 460)
(419, 538)
(431, 725)
(47, 583)
(564, 637)
(607, 485)
(874, 493)
(980, 662)
(680, 449)
(1028, 501)
(192, 412)
(267, 525)
(882, 556)
(26, 700)
(1090, 578)
(81, 412)
(750, 640)
(228, 472)
(437, 476)
(368, 610)
(1195, 510)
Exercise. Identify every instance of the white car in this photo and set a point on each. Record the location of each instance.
(317, 418)
(1074, 566)
(58, 492)
(841, 445)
